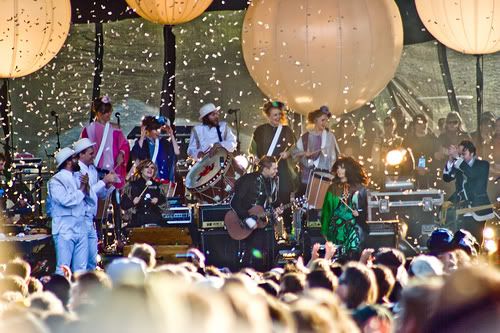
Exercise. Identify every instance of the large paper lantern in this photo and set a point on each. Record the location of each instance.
(31, 34)
(467, 26)
(311, 53)
(169, 12)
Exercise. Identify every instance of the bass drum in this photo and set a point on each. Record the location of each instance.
(211, 180)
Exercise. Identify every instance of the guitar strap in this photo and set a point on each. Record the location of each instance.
(102, 145)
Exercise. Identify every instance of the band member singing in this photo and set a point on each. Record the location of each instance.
(66, 204)
(343, 217)
(209, 133)
(471, 181)
(162, 151)
(317, 148)
(276, 139)
(256, 188)
(143, 196)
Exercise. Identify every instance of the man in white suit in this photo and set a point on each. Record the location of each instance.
(67, 196)
(85, 151)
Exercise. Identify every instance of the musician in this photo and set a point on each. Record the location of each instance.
(67, 199)
(471, 181)
(317, 148)
(256, 188)
(85, 151)
(112, 152)
(344, 212)
(112, 146)
(163, 151)
(209, 133)
(143, 196)
(276, 139)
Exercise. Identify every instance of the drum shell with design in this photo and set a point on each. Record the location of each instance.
(211, 180)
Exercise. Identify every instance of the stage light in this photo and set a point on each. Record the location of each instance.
(399, 167)
(490, 245)
(395, 157)
(488, 233)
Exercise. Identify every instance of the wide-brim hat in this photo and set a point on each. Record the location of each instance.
(207, 109)
(63, 155)
(82, 144)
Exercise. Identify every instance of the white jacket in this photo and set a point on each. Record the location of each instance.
(67, 202)
(97, 188)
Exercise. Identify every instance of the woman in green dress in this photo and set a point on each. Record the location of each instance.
(343, 216)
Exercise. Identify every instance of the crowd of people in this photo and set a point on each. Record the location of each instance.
(448, 290)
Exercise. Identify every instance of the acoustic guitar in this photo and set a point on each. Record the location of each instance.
(237, 228)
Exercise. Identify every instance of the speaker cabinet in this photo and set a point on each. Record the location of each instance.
(257, 251)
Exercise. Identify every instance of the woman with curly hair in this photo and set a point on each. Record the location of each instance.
(343, 216)
(143, 196)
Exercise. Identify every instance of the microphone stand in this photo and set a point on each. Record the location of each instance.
(55, 115)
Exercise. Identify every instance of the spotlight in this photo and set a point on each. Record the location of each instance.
(395, 157)
(490, 245)
(488, 233)
(399, 167)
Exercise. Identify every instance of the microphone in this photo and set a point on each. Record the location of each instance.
(54, 114)
(117, 115)
(231, 111)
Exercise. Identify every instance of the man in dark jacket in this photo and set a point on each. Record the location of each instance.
(256, 188)
(471, 181)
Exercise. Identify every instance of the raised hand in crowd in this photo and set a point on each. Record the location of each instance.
(330, 250)
(367, 256)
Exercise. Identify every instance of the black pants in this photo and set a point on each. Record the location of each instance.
(474, 227)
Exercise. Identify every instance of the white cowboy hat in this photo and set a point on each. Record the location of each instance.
(207, 109)
(63, 155)
(82, 144)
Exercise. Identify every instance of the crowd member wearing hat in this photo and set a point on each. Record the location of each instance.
(162, 150)
(67, 196)
(209, 133)
(85, 151)
(317, 148)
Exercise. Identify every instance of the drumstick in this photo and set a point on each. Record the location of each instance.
(148, 183)
(342, 200)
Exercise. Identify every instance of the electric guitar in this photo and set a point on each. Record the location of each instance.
(449, 211)
(237, 228)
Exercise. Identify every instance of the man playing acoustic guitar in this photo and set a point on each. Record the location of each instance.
(255, 189)
(471, 181)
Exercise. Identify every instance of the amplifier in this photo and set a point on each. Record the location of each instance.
(178, 216)
(382, 234)
(383, 228)
(212, 216)
(313, 219)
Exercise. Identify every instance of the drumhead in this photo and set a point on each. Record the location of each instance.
(208, 168)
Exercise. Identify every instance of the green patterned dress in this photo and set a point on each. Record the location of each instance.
(337, 221)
